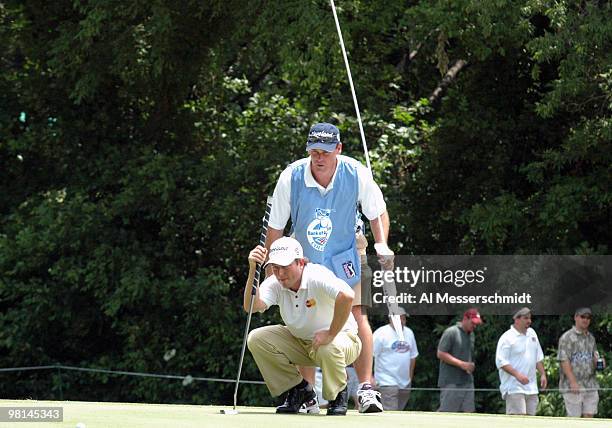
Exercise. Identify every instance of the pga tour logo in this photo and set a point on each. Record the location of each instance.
(349, 269)
(319, 230)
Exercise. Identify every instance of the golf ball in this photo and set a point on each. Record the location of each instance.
(80, 425)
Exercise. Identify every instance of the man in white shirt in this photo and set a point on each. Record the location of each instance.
(394, 362)
(518, 356)
(319, 328)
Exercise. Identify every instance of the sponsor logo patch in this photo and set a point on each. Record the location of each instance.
(349, 269)
(319, 230)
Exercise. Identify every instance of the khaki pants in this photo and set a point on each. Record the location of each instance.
(581, 403)
(394, 397)
(277, 352)
(521, 404)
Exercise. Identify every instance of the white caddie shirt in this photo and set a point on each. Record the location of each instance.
(392, 356)
(369, 194)
(521, 351)
(311, 308)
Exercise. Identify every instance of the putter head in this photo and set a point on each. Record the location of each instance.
(229, 411)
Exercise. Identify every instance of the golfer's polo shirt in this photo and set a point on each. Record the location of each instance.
(311, 308)
(522, 352)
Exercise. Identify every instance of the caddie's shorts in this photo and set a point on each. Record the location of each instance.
(363, 294)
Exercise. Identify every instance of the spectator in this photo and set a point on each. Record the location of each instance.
(578, 359)
(455, 352)
(518, 356)
(394, 362)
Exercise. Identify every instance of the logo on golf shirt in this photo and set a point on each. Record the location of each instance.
(319, 230)
(310, 303)
(400, 346)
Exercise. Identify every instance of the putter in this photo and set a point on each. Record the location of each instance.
(262, 242)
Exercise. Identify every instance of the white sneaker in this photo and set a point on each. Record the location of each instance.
(311, 407)
(369, 401)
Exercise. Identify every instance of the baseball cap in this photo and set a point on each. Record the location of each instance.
(323, 136)
(583, 311)
(284, 251)
(521, 313)
(473, 315)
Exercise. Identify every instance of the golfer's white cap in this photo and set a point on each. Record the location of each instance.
(284, 251)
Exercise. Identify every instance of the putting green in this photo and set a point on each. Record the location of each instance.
(128, 415)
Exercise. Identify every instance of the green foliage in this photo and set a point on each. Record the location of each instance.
(551, 404)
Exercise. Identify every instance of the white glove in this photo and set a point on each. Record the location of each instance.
(385, 255)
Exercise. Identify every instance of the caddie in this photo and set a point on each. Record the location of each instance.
(319, 329)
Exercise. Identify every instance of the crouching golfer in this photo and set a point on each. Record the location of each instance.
(319, 328)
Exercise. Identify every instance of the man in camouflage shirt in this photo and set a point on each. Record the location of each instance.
(577, 357)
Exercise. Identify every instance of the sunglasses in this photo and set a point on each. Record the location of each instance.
(586, 317)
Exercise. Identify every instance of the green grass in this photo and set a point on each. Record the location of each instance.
(110, 415)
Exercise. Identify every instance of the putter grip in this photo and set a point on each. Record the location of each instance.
(262, 242)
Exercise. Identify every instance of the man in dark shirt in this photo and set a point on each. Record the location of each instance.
(455, 352)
